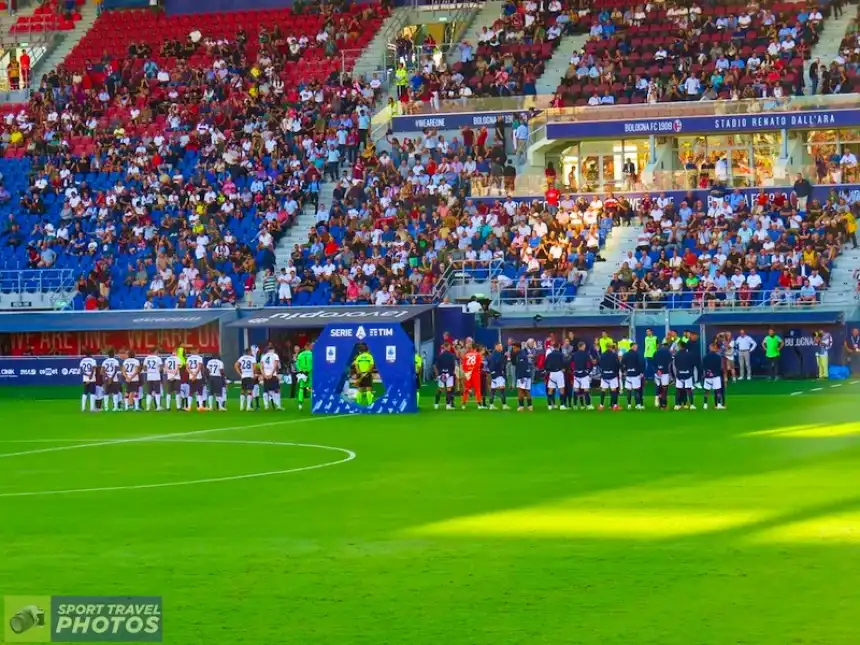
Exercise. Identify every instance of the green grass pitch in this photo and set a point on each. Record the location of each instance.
(668, 528)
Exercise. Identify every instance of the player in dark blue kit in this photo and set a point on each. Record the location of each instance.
(633, 368)
(523, 369)
(580, 365)
(445, 368)
(497, 365)
(662, 362)
(610, 367)
(554, 368)
(685, 364)
(712, 366)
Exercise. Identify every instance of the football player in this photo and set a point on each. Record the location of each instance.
(497, 364)
(195, 367)
(173, 374)
(152, 365)
(246, 368)
(88, 374)
(110, 377)
(445, 368)
(131, 376)
(270, 365)
(216, 386)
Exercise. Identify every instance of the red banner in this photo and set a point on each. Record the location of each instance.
(73, 343)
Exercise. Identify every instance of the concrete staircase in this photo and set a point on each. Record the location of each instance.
(842, 282)
(556, 67)
(827, 48)
(620, 240)
(68, 39)
(297, 234)
(489, 13)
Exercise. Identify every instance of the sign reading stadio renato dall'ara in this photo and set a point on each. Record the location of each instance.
(77, 619)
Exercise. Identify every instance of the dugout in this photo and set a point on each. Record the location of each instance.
(44, 348)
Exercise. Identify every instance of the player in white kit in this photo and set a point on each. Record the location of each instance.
(246, 367)
(270, 365)
(131, 376)
(173, 375)
(217, 388)
(258, 392)
(152, 365)
(89, 368)
(110, 379)
(196, 374)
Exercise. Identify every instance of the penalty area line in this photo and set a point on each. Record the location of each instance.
(161, 437)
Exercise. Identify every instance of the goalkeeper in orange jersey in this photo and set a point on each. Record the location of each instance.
(472, 363)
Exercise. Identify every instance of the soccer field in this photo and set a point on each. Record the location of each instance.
(690, 527)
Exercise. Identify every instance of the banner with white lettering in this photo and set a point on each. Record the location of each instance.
(769, 120)
(39, 371)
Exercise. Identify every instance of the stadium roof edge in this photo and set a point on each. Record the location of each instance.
(59, 321)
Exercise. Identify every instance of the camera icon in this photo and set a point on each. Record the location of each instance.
(27, 618)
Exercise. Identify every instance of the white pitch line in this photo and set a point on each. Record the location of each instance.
(854, 382)
(837, 385)
(66, 440)
(795, 393)
(158, 437)
(350, 455)
(816, 389)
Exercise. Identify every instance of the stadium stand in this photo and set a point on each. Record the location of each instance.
(507, 58)
(669, 51)
(163, 161)
(728, 254)
(51, 15)
(402, 221)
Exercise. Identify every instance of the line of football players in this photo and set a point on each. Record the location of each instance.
(154, 382)
(569, 376)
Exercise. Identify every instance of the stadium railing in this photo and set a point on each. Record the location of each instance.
(37, 42)
(535, 183)
(539, 296)
(36, 280)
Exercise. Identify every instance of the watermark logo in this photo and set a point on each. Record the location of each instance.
(74, 619)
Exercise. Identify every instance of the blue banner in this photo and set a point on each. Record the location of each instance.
(394, 361)
(49, 370)
(765, 121)
(451, 121)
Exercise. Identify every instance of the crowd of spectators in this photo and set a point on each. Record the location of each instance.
(732, 251)
(671, 51)
(507, 59)
(400, 219)
(165, 180)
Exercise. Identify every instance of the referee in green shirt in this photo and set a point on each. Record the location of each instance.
(773, 345)
(363, 366)
(304, 372)
(649, 351)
